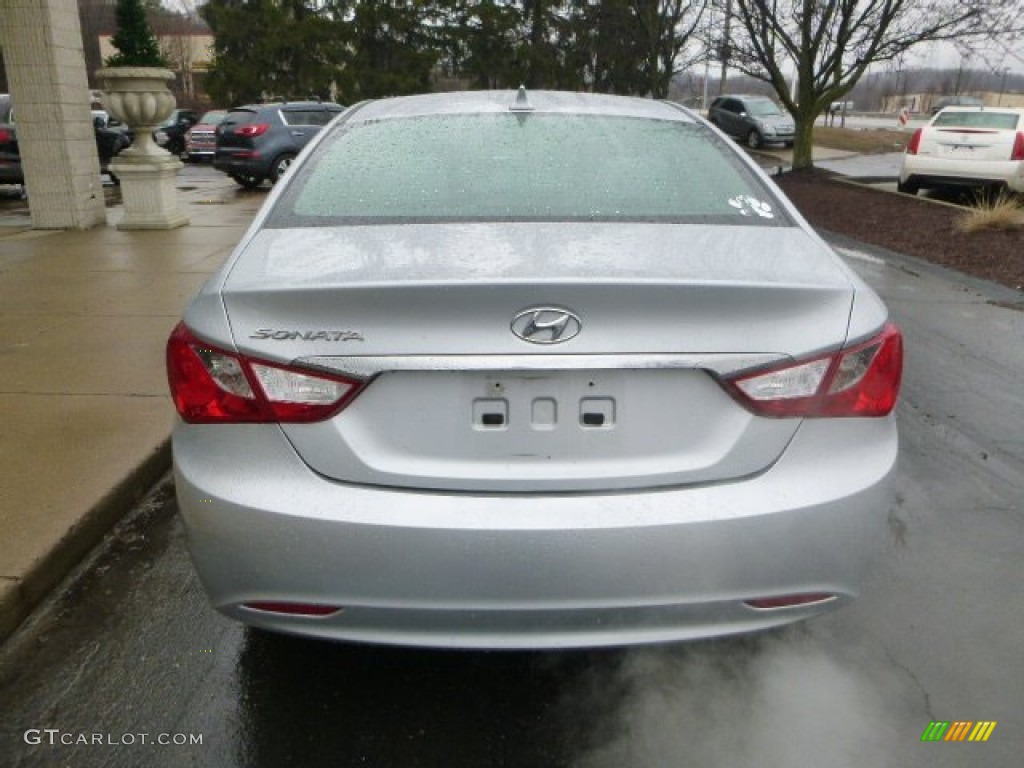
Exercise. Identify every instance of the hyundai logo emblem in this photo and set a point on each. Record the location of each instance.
(546, 325)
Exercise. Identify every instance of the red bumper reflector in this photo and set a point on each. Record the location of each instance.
(294, 609)
(786, 601)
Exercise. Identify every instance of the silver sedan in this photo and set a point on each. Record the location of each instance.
(534, 369)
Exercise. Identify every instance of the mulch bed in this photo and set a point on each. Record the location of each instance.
(906, 225)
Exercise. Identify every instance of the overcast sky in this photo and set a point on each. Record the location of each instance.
(945, 55)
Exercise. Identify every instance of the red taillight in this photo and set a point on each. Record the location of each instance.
(788, 601)
(5, 135)
(294, 609)
(213, 386)
(1018, 147)
(862, 380)
(255, 129)
(915, 142)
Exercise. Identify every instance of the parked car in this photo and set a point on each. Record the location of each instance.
(111, 140)
(10, 158)
(956, 101)
(966, 147)
(531, 370)
(754, 120)
(260, 141)
(171, 133)
(201, 138)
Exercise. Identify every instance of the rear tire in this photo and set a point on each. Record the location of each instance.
(247, 182)
(754, 140)
(280, 166)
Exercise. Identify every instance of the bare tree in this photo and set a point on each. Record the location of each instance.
(833, 42)
(177, 32)
(667, 26)
(96, 18)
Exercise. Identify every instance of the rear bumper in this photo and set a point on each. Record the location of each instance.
(11, 172)
(241, 166)
(926, 171)
(531, 570)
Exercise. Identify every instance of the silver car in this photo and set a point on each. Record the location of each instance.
(524, 370)
(754, 120)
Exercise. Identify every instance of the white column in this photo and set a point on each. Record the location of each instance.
(42, 48)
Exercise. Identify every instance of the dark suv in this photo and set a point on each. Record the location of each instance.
(170, 134)
(754, 120)
(259, 141)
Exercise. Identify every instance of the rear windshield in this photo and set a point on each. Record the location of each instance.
(986, 119)
(523, 167)
(239, 117)
(213, 118)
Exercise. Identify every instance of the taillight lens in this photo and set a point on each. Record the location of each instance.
(213, 386)
(294, 609)
(255, 129)
(1018, 147)
(915, 142)
(5, 135)
(862, 380)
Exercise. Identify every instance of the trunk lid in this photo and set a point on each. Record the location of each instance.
(460, 402)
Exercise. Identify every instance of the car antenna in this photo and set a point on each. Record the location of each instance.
(521, 104)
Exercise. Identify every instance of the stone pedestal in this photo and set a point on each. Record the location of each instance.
(148, 191)
(139, 97)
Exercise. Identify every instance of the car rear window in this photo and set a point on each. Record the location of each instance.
(985, 119)
(239, 117)
(531, 167)
(213, 118)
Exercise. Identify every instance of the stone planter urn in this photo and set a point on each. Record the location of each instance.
(140, 98)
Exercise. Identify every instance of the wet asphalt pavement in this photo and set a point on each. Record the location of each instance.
(129, 652)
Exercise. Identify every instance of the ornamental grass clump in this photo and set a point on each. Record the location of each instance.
(134, 40)
(1004, 211)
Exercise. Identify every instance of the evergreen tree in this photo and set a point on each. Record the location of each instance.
(134, 40)
(291, 49)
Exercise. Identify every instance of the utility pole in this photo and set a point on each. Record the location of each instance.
(1002, 86)
(725, 50)
(707, 62)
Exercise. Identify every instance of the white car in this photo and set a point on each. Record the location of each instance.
(966, 147)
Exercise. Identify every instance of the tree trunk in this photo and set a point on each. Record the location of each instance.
(803, 143)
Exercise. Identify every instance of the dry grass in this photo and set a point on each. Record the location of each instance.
(1001, 212)
(868, 141)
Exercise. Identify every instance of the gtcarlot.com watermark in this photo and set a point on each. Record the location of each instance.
(55, 737)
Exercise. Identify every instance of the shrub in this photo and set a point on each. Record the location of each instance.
(1003, 211)
(134, 39)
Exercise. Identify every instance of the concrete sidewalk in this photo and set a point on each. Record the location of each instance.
(85, 414)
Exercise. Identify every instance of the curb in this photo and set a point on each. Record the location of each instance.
(866, 182)
(19, 598)
(991, 291)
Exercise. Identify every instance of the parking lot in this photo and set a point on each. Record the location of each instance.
(130, 646)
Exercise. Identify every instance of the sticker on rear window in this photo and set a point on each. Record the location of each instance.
(747, 205)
